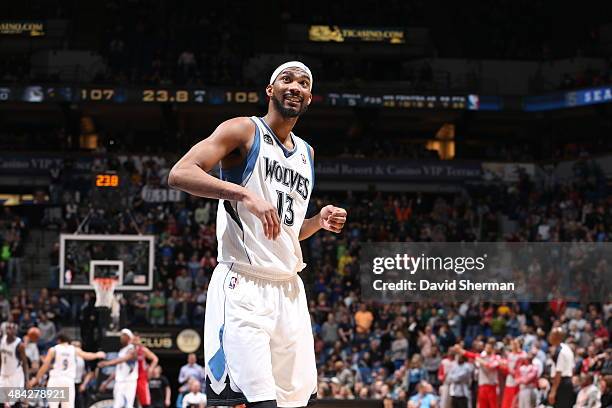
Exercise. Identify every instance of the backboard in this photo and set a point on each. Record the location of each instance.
(128, 258)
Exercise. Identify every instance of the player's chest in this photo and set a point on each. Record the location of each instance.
(290, 175)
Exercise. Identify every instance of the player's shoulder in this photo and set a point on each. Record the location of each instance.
(239, 126)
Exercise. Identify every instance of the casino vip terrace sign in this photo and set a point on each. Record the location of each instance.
(324, 33)
(22, 28)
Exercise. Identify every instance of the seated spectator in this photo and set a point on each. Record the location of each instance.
(424, 398)
(363, 321)
(195, 398)
(589, 395)
(190, 370)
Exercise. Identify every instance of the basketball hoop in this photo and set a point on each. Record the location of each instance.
(104, 287)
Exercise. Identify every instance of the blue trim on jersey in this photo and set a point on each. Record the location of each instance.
(241, 173)
(251, 157)
(286, 151)
(308, 148)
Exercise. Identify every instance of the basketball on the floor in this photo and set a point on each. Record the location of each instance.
(34, 334)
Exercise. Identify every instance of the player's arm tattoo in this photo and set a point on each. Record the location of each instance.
(229, 192)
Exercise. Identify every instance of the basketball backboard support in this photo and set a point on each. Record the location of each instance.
(129, 258)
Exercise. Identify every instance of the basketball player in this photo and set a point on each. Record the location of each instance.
(258, 341)
(13, 360)
(126, 373)
(142, 386)
(63, 374)
(511, 390)
(488, 362)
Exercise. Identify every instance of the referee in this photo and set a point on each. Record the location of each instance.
(562, 392)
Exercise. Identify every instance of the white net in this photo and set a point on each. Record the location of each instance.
(104, 287)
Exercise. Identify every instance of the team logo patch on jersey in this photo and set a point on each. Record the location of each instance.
(303, 158)
(233, 282)
(268, 139)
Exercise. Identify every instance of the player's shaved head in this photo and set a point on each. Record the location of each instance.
(557, 335)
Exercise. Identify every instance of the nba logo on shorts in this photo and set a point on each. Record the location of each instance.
(233, 282)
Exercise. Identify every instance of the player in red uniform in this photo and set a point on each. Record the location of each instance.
(488, 365)
(142, 387)
(511, 390)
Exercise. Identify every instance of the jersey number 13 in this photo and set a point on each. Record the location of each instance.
(285, 200)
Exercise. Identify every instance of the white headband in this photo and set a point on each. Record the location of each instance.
(128, 333)
(291, 64)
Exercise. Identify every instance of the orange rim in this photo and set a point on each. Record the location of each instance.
(105, 283)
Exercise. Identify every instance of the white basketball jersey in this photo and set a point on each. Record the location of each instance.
(127, 371)
(65, 363)
(282, 177)
(10, 360)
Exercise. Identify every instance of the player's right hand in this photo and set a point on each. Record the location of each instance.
(267, 214)
(101, 355)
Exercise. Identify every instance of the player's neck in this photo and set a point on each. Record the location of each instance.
(280, 125)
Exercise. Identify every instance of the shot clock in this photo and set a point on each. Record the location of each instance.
(106, 190)
(106, 180)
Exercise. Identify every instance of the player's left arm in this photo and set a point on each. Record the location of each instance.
(104, 385)
(152, 357)
(43, 369)
(24, 361)
(86, 355)
(131, 355)
(330, 218)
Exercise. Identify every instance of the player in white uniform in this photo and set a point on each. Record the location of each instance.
(258, 341)
(63, 374)
(126, 373)
(13, 360)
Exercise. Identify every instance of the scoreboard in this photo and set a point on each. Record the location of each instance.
(223, 96)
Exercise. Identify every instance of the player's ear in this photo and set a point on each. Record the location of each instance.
(269, 90)
(309, 100)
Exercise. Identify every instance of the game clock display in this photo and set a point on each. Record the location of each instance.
(173, 95)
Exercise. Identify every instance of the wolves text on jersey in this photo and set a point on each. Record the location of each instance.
(288, 177)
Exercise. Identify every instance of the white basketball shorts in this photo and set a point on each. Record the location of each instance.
(55, 381)
(124, 393)
(15, 380)
(258, 342)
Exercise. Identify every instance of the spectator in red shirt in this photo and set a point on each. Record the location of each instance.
(600, 330)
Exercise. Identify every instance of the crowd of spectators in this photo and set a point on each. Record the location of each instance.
(364, 349)
(368, 350)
